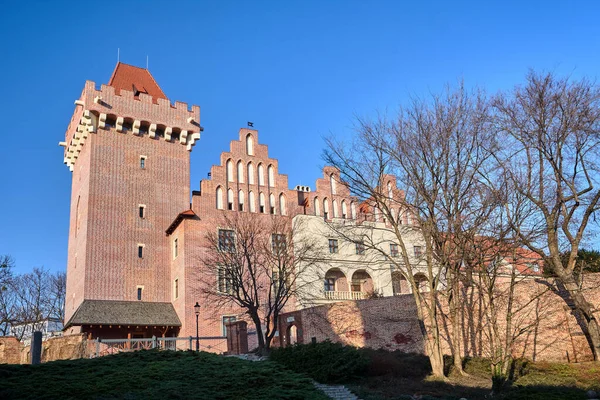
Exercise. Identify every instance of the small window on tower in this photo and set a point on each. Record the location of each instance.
(140, 251)
(142, 211)
(142, 162)
(139, 293)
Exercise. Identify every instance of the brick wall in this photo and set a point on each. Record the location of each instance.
(550, 331)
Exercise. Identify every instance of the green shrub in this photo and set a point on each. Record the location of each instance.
(396, 363)
(325, 362)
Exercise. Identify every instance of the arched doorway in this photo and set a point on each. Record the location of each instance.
(422, 282)
(291, 335)
(361, 283)
(399, 283)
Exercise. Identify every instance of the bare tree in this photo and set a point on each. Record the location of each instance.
(438, 150)
(30, 299)
(255, 263)
(6, 294)
(550, 176)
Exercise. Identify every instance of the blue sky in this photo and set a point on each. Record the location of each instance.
(300, 70)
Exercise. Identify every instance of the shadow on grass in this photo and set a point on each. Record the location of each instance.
(397, 375)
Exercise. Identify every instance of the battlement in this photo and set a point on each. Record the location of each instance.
(126, 112)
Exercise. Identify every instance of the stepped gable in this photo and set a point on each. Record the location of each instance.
(135, 79)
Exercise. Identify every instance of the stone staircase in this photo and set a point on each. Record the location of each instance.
(338, 392)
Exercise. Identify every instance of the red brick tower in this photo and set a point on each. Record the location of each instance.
(128, 149)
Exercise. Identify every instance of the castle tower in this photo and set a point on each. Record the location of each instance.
(128, 149)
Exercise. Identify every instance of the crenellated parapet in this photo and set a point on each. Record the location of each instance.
(129, 113)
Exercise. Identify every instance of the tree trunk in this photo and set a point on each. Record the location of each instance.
(588, 320)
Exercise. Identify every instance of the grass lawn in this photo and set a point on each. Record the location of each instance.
(155, 375)
(380, 374)
(394, 375)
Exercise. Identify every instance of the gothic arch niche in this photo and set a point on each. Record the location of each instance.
(240, 172)
(271, 176)
(272, 209)
(241, 200)
(219, 199)
(261, 203)
(251, 173)
(317, 206)
(230, 199)
(249, 144)
(261, 175)
(282, 208)
(251, 201)
(333, 184)
(344, 210)
(229, 170)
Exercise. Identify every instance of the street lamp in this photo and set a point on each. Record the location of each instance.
(197, 312)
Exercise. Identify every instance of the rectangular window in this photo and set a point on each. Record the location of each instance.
(139, 293)
(418, 251)
(394, 250)
(333, 246)
(241, 207)
(175, 248)
(227, 320)
(360, 248)
(142, 162)
(230, 206)
(356, 286)
(278, 243)
(224, 280)
(142, 212)
(140, 251)
(176, 288)
(329, 284)
(262, 209)
(272, 210)
(325, 214)
(226, 240)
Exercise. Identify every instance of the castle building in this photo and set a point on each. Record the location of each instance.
(137, 244)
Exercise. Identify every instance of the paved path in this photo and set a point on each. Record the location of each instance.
(338, 392)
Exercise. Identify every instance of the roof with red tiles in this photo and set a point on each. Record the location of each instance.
(180, 217)
(135, 79)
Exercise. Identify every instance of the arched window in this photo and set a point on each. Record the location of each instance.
(249, 145)
(219, 198)
(261, 203)
(317, 206)
(229, 171)
(251, 173)
(335, 209)
(251, 201)
(240, 172)
(376, 212)
(241, 200)
(261, 175)
(389, 187)
(326, 208)
(272, 203)
(344, 210)
(353, 210)
(282, 209)
(229, 199)
(271, 174)
(332, 180)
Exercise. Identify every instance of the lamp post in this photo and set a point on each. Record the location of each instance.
(197, 312)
